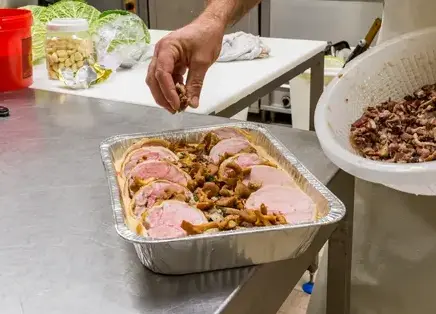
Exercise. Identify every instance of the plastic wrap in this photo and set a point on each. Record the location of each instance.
(120, 39)
(85, 77)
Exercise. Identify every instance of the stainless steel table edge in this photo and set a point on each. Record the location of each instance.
(269, 301)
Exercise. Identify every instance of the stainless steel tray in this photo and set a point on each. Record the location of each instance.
(228, 249)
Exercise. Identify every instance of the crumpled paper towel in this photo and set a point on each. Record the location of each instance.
(242, 46)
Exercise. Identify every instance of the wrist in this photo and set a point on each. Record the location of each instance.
(216, 17)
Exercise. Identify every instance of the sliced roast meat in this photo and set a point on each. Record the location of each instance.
(152, 170)
(146, 153)
(243, 160)
(266, 175)
(165, 220)
(291, 202)
(231, 146)
(155, 192)
(225, 133)
(145, 143)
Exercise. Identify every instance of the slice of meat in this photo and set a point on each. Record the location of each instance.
(146, 142)
(165, 220)
(266, 175)
(146, 153)
(156, 191)
(229, 146)
(243, 160)
(152, 170)
(291, 202)
(225, 133)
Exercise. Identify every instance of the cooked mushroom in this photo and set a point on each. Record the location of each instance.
(197, 229)
(181, 91)
(205, 205)
(226, 191)
(211, 189)
(212, 169)
(242, 190)
(226, 201)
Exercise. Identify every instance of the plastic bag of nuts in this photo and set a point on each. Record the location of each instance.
(68, 45)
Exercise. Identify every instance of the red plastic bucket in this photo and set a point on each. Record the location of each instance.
(15, 49)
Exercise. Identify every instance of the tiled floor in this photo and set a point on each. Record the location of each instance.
(296, 303)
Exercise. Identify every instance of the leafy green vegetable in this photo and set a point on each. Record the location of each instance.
(38, 41)
(110, 12)
(70, 9)
(36, 11)
(61, 9)
(120, 28)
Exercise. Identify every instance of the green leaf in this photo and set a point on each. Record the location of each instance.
(108, 12)
(70, 9)
(36, 11)
(38, 41)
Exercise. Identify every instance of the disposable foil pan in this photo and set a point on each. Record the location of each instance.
(227, 249)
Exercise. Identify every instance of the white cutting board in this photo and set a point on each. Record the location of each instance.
(225, 83)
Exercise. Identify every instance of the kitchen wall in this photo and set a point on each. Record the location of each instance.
(104, 5)
(323, 20)
(16, 3)
(170, 14)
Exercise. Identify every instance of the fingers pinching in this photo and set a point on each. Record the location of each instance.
(194, 83)
(165, 64)
(155, 88)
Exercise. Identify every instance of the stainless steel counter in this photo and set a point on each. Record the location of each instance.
(59, 252)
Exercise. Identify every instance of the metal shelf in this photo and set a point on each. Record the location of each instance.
(276, 109)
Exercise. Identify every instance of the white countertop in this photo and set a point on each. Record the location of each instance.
(225, 83)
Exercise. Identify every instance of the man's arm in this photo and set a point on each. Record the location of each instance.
(195, 47)
(228, 12)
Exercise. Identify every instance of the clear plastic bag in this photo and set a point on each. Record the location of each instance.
(121, 39)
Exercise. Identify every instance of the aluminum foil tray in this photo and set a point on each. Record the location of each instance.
(227, 249)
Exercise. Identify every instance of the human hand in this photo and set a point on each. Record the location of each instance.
(195, 48)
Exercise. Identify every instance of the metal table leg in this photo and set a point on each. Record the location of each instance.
(270, 284)
(316, 86)
(340, 249)
(316, 89)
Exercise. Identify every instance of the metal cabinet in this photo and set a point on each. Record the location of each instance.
(170, 15)
(16, 3)
(107, 5)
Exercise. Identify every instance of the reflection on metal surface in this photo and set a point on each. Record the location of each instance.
(59, 249)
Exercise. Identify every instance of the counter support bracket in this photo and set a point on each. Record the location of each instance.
(315, 63)
(316, 86)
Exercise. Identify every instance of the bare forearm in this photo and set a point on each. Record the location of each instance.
(228, 12)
